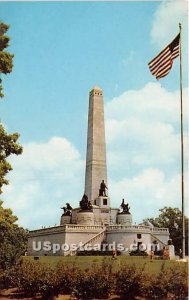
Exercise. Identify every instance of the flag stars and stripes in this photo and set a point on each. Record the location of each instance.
(161, 65)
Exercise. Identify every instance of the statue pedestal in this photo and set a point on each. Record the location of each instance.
(85, 218)
(102, 201)
(65, 220)
(124, 219)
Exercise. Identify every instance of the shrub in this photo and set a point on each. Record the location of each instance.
(91, 285)
(128, 282)
(96, 253)
(153, 287)
(95, 283)
(35, 278)
(138, 253)
(66, 277)
(171, 281)
(177, 283)
(49, 285)
(158, 253)
(5, 281)
(30, 276)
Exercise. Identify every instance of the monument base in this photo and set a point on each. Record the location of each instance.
(124, 219)
(85, 218)
(102, 201)
(65, 220)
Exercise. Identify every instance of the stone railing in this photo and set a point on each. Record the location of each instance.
(160, 230)
(127, 227)
(67, 228)
(97, 228)
(137, 228)
(47, 230)
(83, 228)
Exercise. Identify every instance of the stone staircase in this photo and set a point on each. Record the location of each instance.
(160, 241)
(97, 238)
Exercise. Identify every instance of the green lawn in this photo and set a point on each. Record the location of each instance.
(88, 262)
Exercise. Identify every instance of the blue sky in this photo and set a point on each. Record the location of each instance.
(63, 49)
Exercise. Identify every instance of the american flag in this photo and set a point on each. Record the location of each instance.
(161, 65)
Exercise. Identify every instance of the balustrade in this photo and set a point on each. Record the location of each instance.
(136, 227)
(84, 228)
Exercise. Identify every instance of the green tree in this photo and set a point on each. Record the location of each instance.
(12, 238)
(8, 146)
(6, 58)
(8, 143)
(171, 218)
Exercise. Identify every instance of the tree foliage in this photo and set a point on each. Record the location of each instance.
(171, 218)
(8, 146)
(6, 58)
(8, 143)
(12, 238)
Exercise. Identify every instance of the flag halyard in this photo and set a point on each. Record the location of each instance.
(161, 65)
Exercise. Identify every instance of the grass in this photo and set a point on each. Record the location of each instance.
(85, 262)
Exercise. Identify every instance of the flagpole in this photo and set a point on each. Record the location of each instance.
(182, 147)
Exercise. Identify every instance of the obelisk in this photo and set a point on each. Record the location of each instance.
(96, 169)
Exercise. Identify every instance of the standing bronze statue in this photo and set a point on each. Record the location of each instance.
(103, 188)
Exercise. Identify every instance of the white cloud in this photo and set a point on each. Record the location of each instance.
(45, 177)
(149, 102)
(166, 19)
(146, 193)
(143, 130)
